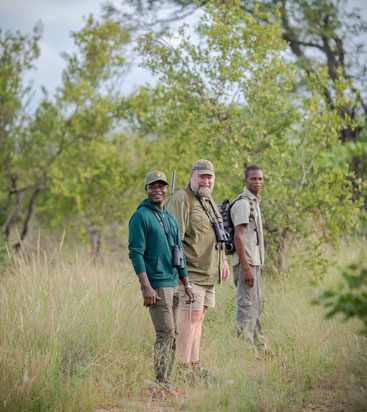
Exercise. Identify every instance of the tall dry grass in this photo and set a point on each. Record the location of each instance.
(74, 336)
(71, 333)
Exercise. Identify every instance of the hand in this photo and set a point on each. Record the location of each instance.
(150, 296)
(249, 278)
(190, 293)
(225, 272)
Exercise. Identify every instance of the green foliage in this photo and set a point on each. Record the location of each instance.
(69, 152)
(350, 298)
(100, 56)
(22, 178)
(230, 96)
(17, 55)
(89, 183)
(326, 32)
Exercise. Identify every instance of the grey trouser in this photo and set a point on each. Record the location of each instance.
(249, 304)
(164, 316)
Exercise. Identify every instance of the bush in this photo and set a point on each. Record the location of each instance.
(350, 298)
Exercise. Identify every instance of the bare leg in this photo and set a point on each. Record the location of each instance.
(195, 349)
(186, 336)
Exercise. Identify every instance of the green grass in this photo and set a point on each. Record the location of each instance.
(74, 336)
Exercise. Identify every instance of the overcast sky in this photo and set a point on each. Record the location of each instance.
(59, 18)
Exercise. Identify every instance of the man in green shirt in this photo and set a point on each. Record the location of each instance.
(197, 213)
(153, 235)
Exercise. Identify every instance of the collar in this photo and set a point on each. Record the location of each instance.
(154, 207)
(250, 195)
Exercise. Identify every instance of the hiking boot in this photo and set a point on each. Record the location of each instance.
(186, 373)
(200, 372)
(172, 391)
(161, 391)
(156, 392)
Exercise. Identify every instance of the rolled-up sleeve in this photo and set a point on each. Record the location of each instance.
(137, 242)
(240, 212)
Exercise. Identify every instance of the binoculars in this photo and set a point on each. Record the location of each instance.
(223, 237)
(177, 257)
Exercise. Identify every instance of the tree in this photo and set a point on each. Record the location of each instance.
(20, 177)
(69, 150)
(231, 96)
(90, 183)
(317, 31)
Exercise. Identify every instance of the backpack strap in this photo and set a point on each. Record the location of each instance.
(251, 214)
(239, 197)
(189, 197)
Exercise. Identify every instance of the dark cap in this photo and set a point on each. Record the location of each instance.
(155, 176)
(203, 167)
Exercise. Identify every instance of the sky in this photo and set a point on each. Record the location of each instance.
(59, 18)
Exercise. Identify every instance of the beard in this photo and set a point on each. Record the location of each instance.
(201, 191)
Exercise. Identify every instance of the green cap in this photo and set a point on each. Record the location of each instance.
(155, 176)
(203, 167)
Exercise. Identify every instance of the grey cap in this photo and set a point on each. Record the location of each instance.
(203, 167)
(155, 176)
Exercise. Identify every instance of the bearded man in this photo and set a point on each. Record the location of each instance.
(197, 214)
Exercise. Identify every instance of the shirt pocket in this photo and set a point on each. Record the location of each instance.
(158, 265)
(200, 223)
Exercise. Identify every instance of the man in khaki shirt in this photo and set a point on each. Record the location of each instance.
(196, 211)
(248, 260)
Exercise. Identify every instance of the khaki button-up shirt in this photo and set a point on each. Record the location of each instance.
(246, 211)
(204, 261)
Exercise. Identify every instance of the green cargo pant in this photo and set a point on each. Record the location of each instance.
(164, 316)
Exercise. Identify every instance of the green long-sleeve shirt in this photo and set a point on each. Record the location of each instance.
(149, 249)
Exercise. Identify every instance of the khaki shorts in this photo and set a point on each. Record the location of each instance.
(204, 296)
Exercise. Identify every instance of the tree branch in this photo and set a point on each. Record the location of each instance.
(6, 205)
(5, 229)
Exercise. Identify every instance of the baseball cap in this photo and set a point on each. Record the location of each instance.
(155, 176)
(203, 167)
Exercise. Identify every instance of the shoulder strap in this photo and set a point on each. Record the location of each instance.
(251, 215)
(238, 198)
(189, 197)
(164, 227)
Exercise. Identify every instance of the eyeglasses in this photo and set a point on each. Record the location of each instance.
(160, 186)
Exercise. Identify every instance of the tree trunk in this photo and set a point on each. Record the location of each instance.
(27, 218)
(95, 243)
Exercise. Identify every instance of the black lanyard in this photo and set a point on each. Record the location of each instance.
(206, 210)
(165, 228)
